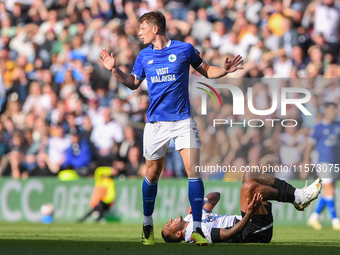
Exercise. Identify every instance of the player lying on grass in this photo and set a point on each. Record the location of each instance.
(256, 223)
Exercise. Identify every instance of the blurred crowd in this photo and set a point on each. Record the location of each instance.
(276, 139)
(61, 109)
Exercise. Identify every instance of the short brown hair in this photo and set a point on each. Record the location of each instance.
(154, 19)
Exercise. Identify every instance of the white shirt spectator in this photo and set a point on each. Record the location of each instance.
(95, 116)
(253, 9)
(272, 42)
(57, 148)
(33, 101)
(46, 101)
(327, 21)
(247, 41)
(230, 46)
(104, 136)
(290, 154)
(10, 3)
(217, 40)
(39, 38)
(201, 29)
(282, 68)
(22, 45)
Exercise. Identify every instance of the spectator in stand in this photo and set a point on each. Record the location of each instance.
(252, 12)
(17, 148)
(218, 36)
(14, 112)
(135, 162)
(202, 28)
(179, 8)
(130, 141)
(300, 61)
(79, 155)
(44, 167)
(57, 146)
(33, 101)
(289, 39)
(106, 136)
(327, 21)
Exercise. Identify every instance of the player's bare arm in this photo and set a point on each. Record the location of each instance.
(227, 234)
(210, 201)
(110, 64)
(213, 72)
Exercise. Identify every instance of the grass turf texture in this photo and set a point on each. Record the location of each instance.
(117, 238)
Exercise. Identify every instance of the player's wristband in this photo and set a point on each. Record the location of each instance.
(205, 201)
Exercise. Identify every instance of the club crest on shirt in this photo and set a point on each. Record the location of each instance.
(172, 58)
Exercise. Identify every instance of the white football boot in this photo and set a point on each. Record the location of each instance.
(308, 194)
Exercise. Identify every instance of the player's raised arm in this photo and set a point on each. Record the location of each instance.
(210, 201)
(213, 72)
(110, 64)
(227, 234)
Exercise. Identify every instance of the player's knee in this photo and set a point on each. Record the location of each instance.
(248, 187)
(152, 177)
(152, 174)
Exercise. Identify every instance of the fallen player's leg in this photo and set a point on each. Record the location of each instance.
(272, 188)
(260, 227)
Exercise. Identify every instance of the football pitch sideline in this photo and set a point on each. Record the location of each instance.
(117, 238)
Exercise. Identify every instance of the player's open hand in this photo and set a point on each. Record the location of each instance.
(255, 203)
(107, 60)
(233, 65)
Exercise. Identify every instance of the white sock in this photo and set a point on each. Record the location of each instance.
(197, 224)
(335, 221)
(298, 196)
(314, 216)
(147, 220)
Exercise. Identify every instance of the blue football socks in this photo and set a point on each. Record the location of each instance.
(321, 205)
(149, 196)
(196, 195)
(331, 206)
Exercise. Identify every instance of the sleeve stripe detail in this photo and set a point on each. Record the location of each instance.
(202, 61)
(205, 210)
(137, 77)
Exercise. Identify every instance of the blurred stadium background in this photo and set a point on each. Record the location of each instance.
(57, 101)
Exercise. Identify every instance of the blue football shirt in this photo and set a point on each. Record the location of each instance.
(327, 139)
(167, 74)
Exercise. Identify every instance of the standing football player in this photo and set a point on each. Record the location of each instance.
(165, 64)
(326, 138)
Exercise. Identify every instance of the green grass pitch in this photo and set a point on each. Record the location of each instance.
(117, 238)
